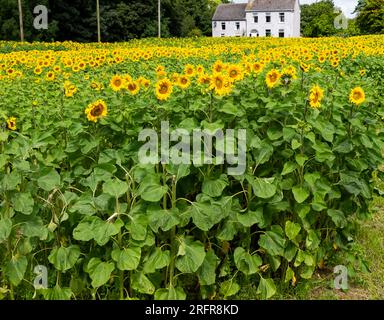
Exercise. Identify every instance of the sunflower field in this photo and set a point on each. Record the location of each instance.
(76, 202)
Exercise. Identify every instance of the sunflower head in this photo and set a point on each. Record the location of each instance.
(257, 67)
(316, 95)
(11, 124)
(184, 82)
(272, 78)
(235, 73)
(189, 70)
(164, 89)
(117, 83)
(50, 76)
(133, 87)
(96, 111)
(357, 96)
(220, 84)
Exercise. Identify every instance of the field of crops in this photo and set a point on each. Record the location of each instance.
(81, 217)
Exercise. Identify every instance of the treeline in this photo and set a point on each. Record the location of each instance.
(120, 19)
(318, 19)
(123, 20)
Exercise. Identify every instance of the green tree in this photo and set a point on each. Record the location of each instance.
(317, 19)
(370, 16)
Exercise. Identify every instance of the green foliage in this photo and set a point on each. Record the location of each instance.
(370, 16)
(121, 20)
(317, 19)
(74, 197)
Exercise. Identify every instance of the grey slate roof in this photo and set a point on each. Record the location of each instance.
(230, 12)
(271, 5)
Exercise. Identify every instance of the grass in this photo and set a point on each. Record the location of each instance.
(364, 285)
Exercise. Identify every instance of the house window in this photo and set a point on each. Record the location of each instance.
(268, 32)
(268, 17)
(281, 33)
(223, 26)
(237, 25)
(255, 18)
(215, 24)
(282, 17)
(223, 35)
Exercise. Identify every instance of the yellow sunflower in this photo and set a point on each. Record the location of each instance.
(272, 78)
(189, 70)
(11, 124)
(235, 73)
(184, 82)
(316, 95)
(50, 76)
(38, 70)
(357, 96)
(96, 111)
(69, 89)
(164, 89)
(117, 83)
(257, 67)
(133, 87)
(220, 84)
(204, 79)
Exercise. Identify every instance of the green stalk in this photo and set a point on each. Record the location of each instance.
(165, 185)
(120, 242)
(172, 237)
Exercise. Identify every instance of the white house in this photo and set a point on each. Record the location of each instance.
(258, 18)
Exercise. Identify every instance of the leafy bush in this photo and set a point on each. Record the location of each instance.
(75, 198)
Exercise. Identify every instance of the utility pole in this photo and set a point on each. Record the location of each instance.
(159, 18)
(98, 21)
(21, 21)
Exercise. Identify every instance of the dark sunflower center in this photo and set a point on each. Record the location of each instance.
(163, 89)
(273, 77)
(357, 95)
(219, 83)
(97, 110)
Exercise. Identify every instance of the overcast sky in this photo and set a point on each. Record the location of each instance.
(348, 6)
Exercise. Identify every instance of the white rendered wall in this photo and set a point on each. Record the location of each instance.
(230, 29)
(275, 25)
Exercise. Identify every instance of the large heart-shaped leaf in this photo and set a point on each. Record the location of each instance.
(207, 271)
(99, 271)
(273, 241)
(170, 294)
(64, 258)
(142, 284)
(245, 262)
(23, 202)
(266, 288)
(115, 187)
(5, 229)
(49, 180)
(215, 187)
(127, 258)
(15, 269)
(190, 256)
(158, 259)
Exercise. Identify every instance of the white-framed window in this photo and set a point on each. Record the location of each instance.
(281, 33)
(268, 32)
(282, 16)
(255, 18)
(223, 26)
(215, 24)
(268, 17)
(237, 25)
(222, 35)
